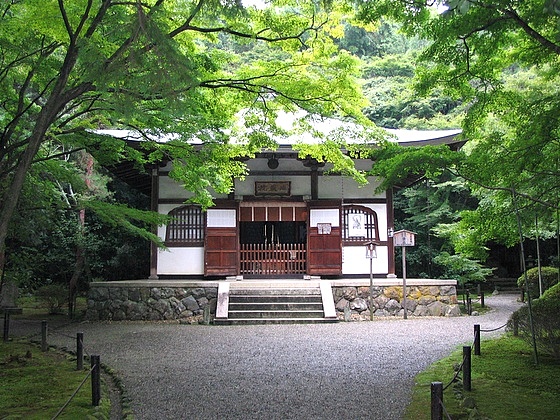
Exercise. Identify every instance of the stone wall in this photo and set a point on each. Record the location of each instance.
(187, 301)
(116, 302)
(351, 302)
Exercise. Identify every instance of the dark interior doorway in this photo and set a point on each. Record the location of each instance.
(272, 233)
(272, 248)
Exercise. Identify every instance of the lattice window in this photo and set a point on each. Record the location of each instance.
(360, 225)
(186, 227)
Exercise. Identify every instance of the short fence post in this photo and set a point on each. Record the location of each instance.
(95, 380)
(477, 340)
(348, 313)
(466, 368)
(6, 326)
(206, 315)
(481, 293)
(44, 333)
(515, 327)
(436, 390)
(469, 306)
(80, 351)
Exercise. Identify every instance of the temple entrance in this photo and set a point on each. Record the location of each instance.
(272, 238)
(272, 248)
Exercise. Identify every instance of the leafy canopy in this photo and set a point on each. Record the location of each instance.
(162, 67)
(502, 59)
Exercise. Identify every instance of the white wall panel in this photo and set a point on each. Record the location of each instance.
(181, 261)
(331, 216)
(354, 260)
(336, 187)
(221, 218)
(381, 210)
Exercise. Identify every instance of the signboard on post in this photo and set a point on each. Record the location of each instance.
(404, 238)
(371, 253)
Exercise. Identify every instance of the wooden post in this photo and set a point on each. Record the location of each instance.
(79, 351)
(477, 340)
(154, 207)
(44, 333)
(6, 326)
(466, 368)
(370, 288)
(206, 315)
(95, 380)
(515, 327)
(436, 391)
(404, 279)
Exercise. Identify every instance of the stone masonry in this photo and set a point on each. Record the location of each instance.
(186, 301)
(352, 302)
(149, 303)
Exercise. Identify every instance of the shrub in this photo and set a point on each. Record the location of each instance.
(549, 278)
(546, 322)
(55, 296)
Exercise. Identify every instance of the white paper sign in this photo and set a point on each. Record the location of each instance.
(356, 225)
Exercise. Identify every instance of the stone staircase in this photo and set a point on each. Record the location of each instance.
(275, 302)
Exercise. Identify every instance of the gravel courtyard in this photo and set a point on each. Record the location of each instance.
(352, 370)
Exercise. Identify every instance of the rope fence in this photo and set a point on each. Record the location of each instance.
(94, 372)
(59, 412)
(438, 409)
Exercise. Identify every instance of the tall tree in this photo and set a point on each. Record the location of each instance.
(502, 58)
(67, 67)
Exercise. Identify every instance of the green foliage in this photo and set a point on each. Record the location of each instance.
(463, 269)
(549, 277)
(180, 70)
(500, 59)
(162, 69)
(395, 104)
(396, 163)
(54, 296)
(546, 322)
(424, 208)
(384, 39)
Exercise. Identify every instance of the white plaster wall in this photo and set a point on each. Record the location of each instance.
(381, 210)
(354, 260)
(178, 260)
(284, 164)
(181, 261)
(169, 188)
(336, 187)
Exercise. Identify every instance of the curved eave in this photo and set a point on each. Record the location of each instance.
(418, 138)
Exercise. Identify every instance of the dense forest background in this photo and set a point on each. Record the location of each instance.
(54, 239)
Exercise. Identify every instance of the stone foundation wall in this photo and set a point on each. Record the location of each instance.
(118, 303)
(187, 301)
(351, 302)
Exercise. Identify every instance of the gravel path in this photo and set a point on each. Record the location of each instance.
(353, 370)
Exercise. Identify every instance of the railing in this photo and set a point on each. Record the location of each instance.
(438, 409)
(277, 259)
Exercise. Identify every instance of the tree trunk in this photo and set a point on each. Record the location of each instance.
(80, 249)
(13, 192)
(55, 102)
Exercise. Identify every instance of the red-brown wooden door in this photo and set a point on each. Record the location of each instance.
(324, 244)
(221, 243)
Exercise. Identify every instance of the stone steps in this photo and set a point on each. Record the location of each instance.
(263, 303)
